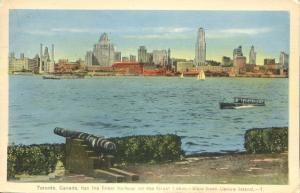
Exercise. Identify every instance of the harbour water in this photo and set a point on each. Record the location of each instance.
(123, 106)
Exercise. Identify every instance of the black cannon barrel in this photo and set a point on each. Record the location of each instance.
(95, 142)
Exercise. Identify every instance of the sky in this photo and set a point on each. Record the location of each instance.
(74, 32)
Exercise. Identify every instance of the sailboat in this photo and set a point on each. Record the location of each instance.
(201, 75)
(181, 76)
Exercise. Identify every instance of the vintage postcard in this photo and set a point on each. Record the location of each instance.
(150, 96)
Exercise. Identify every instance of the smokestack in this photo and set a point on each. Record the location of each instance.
(41, 57)
(52, 53)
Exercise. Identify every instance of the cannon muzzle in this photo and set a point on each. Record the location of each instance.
(96, 142)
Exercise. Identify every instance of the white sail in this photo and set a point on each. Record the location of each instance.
(201, 75)
(181, 76)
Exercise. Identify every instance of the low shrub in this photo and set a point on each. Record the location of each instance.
(147, 148)
(41, 159)
(33, 159)
(266, 140)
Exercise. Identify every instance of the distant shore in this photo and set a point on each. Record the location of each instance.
(64, 76)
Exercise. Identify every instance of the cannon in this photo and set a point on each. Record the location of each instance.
(96, 142)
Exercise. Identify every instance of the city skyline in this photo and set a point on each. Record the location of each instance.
(75, 32)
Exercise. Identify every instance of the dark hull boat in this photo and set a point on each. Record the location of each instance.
(240, 102)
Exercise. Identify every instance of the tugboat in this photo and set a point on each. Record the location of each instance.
(242, 102)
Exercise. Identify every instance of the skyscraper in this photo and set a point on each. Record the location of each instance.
(252, 56)
(46, 63)
(237, 52)
(118, 57)
(160, 57)
(200, 48)
(284, 60)
(142, 54)
(132, 58)
(103, 53)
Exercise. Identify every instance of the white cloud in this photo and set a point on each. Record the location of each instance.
(71, 30)
(156, 36)
(40, 32)
(232, 32)
(167, 29)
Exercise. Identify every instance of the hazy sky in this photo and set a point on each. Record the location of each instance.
(75, 32)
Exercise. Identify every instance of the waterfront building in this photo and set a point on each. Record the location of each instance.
(149, 58)
(200, 48)
(160, 57)
(237, 52)
(125, 59)
(89, 58)
(269, 61)
(128, 68)
(142, 55)
(284, 60)
(226, 61)
(103, 53)
(252, 56)
(240, 63)
(64, 66)
(132, 58)
(184, 66)
(118, 57)
(22, 64)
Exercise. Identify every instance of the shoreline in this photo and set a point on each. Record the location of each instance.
(114, 75)
(212, 168)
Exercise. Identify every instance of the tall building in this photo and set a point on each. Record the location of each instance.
(237, 52)
(200, 48)
(118, 57)
(89, 58)
(160, 57)
(103, 53)
(252, 56)
(284, 60)
(240, 63)
(142, 55)
(125, 59)
(46, 63)
(132, 58)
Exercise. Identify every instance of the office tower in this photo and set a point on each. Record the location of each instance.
(132, 58)
(142, 55)
(104, 51)
(118, 56)
(252, 56)
(200, 48)
(237, 52)
(52, 52)
(284, 60)
(160, 57)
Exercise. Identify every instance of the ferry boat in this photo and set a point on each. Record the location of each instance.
(242, 102)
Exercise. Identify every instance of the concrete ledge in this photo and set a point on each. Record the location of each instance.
(109, 176)
(128, 175)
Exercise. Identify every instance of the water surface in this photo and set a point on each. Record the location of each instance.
(122, 106)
